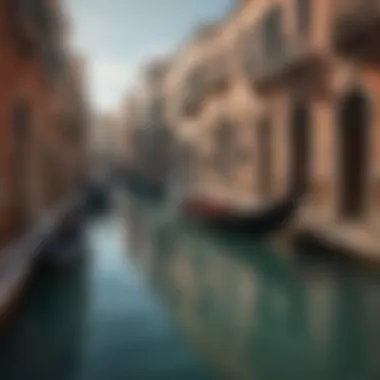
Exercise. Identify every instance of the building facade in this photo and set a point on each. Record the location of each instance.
(36, 95)
(280, 100)
(318, 72)
(145, 128)
(286, 95)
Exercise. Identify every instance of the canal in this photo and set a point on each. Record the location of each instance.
(158, 298)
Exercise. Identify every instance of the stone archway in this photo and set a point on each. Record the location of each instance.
(265, 157)
(300, 148)
(353, 128)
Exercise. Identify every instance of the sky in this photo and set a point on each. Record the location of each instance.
(118, 36)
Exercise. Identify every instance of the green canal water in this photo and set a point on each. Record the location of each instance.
(157, 298)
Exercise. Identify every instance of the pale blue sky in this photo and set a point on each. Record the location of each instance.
(117, 36)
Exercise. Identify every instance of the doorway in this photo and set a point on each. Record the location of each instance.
(300, 149)
(352, 137)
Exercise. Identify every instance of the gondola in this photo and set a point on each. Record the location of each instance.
(229, 219)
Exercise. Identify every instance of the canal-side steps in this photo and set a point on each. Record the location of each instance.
(316, 232)
(18, 259)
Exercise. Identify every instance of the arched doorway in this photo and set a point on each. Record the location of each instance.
(264, 157)
(352, 139)
(299, 149)
(21, 159)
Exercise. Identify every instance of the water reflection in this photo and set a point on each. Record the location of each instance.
(253, 313)
(45, 340)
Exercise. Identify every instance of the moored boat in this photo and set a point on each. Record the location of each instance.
(254, 220)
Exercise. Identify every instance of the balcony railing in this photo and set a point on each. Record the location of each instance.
(301, 56)
(357, 25)
(298, 58)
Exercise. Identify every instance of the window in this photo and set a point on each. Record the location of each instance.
(247, 52)
(303, 16)
(42, 16)
(271, 33)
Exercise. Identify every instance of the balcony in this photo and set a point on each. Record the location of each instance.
(301, 60)
(298, 61)
(32, 22)
(202, 82)
(356, 28)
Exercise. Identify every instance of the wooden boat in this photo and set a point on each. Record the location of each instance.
(227, 218)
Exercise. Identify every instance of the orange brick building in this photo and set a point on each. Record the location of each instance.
(33, 62)
(43, 151)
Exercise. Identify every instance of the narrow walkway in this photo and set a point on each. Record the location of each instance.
(359, 239)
